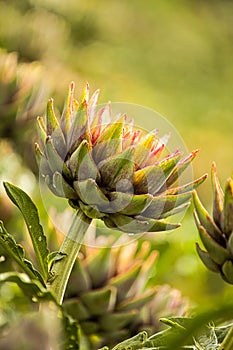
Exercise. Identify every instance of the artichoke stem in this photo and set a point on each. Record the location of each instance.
(227, 343)
(61, 269)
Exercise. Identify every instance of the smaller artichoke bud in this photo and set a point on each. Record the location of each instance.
(21, 96)
(217, 233)
(108, 292)
(111, 170)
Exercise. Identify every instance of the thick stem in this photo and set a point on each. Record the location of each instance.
(69, 249)
(227, 343)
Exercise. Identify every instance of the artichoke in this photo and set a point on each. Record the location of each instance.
(111, 171)
(217, 233)
(21, 96)
(109, 294)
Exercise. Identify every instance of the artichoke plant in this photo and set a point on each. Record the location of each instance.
(108, 292)
(217, 233)
(111, 171)
(21, 96)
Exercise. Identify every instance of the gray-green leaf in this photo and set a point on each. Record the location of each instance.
(17, 253)
(30, 214)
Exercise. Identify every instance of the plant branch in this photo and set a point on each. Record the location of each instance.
(61, 268)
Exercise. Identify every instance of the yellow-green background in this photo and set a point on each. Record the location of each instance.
(173, 56)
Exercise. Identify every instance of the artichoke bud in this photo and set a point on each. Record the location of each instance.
(109, 169)
(217, 233)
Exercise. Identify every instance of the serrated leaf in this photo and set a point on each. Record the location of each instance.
(132, 343)
(177, 322)
(29, 287)
(30, 214)
(17, 253)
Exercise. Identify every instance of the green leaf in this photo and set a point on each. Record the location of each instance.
(17, 253)
(32, 289)
(30, 214)
(132, 343)
(177, 322)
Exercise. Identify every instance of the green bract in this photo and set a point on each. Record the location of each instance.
(111, 171)
(108, 292)
(217, 233)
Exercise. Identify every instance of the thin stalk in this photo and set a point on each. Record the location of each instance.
(227, 343)
(69, 249)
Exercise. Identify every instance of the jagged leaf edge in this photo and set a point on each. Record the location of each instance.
(31, 217)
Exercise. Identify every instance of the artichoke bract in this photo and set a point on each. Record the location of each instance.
(111, 170)
(217, 233)
(109, 295)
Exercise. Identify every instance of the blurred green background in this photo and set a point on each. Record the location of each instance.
(172, 56)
